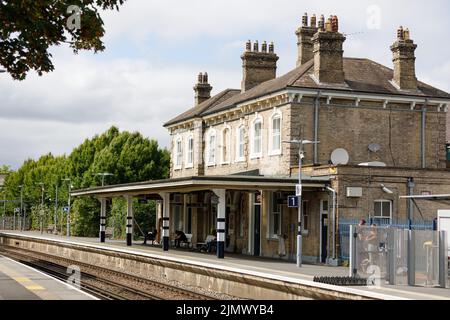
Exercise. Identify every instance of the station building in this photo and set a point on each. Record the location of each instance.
(381, 134)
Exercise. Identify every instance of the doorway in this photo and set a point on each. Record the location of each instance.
(255, 224)
(323, 231)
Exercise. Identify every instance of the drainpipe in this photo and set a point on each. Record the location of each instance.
(316, 126)
(422, 134)
(410, 201)
(334, 221)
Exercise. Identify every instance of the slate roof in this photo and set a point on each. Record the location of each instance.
(361, 76)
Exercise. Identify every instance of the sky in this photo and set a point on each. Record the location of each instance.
(156, 48)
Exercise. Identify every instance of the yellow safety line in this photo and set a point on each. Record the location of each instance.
(27, 283)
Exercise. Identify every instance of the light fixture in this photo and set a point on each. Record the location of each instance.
(386, 189)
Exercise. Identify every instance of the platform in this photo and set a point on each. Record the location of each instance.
(255, 266)
(20, 282)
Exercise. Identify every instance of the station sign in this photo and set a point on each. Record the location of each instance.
(292, 201)
(298, 190)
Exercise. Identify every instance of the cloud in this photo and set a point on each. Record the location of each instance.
(156, 48)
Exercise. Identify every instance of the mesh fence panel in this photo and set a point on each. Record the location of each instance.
(371, 251)
(426, 260)
(400, 256)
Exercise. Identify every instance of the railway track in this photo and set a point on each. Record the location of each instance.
(105, 284)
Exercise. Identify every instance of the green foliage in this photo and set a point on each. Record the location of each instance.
(30, 27)
(128, 156)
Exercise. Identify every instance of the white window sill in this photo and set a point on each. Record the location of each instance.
(275, 153)
(225, 163)
(211, 165)
(177, 168)
(273, 238)
(189, 166)
(256, 156)
(239, 160)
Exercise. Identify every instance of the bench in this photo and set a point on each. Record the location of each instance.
(109, 232)
(204, 245)
(188, 241)
(50, 228)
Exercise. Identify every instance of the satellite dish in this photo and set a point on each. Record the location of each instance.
(374, 147)
(373, 164)
(339, 156)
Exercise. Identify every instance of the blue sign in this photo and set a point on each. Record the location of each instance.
(66, 209)
(292, 201)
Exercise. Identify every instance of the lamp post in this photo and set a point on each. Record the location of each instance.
(21, 207)
(68, 205)
(298, 189)
(4, 208)
(41, 213)
(103, 175)
(55, 229)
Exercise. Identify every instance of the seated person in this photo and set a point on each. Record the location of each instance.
(151, 235)
(179, 237)
(212, 244)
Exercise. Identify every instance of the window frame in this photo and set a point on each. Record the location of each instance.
(178, 153)
(305, 212)
(271, 235)
(189, 151)
(256, 155)
(211, 133)
(226, 130)
(391, 207)
(240, 142)
(276, 115)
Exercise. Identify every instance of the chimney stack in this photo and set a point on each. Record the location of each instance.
(258, 65)
(304, 35)
(404, 61)
(202, 89)
(328, 52)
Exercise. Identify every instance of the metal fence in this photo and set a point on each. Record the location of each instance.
(344, 229)
(7, 223)
(399, 256)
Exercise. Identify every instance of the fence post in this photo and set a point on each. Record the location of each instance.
(391, 254)
(352, 252)
(411, 258)
(443, 259)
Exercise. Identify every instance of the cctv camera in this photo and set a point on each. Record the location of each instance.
(386, 189)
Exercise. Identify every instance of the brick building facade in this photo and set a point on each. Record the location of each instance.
(392, 126)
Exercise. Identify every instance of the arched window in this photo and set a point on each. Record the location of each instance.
(178, 153)
(211, 155)
(226, 146)
(190, 152)
(240, 144)
(275, 134)
(257, 138)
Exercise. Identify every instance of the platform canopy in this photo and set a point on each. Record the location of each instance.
(199, 183)
(430, 197)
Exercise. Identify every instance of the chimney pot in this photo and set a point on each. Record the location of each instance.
(271, 47)
(264, 47)
(322, 23)
(400, 34)
(200, 78)
(256, 46)
(335, 24)
(248, 46)
(305, 19)
(313, 21)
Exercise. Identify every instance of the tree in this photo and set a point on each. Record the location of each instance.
(29, 27)
(129, 156)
